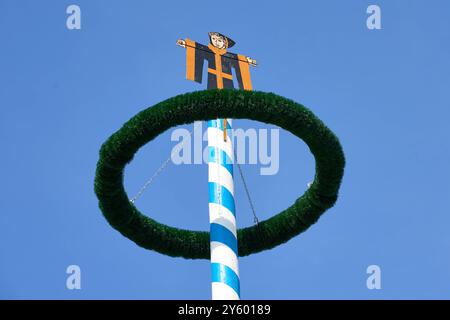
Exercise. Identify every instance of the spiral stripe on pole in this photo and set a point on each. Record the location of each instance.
(222, 215)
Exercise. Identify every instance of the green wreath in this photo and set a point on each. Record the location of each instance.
(120, 148)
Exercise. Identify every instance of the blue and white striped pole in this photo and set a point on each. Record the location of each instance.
(222, 216)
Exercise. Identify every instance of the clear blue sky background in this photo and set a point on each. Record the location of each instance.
(384, 93)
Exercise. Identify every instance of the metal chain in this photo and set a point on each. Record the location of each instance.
(255, 218)
(167, 161)
(157, 172)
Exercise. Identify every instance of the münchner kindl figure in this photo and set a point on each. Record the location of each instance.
(220, 62)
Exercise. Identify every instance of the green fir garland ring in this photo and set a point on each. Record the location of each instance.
(120, 148)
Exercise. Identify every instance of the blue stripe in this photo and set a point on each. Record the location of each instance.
(221, 234)
(227, 197)
(224, 159)
(218, 123)
(224, 274)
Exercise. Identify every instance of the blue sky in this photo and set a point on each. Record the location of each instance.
(383, 92)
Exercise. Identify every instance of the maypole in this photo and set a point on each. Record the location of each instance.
(223, 244)
(222, 215)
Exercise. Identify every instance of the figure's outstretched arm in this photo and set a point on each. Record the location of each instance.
(251, 61)
(194, 59)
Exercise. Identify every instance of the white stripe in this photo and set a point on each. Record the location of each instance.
(221, 291)
(221, 253)
(223, 216)
(218, 174)
(215, 139)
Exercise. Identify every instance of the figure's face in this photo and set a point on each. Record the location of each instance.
(218, 41)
